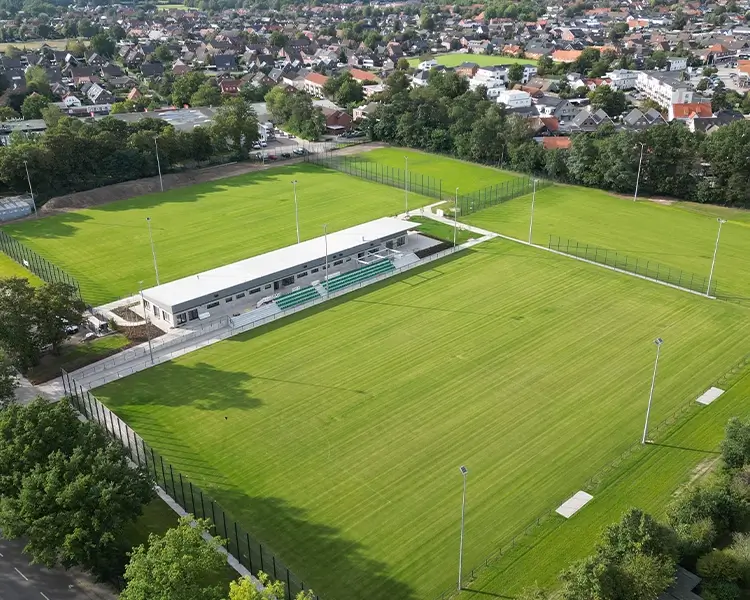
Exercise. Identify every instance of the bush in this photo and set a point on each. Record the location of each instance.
(740, 550)
(735, 448)
(719, 565)
(716, 501)
(720, 590)
(695, 539)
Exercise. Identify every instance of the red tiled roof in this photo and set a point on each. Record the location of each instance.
(361, 75)
(689, 109)
(316, 78)
(556, 143)
(565, 55)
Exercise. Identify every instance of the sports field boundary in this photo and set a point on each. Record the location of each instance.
(38, 265)
(726, 380)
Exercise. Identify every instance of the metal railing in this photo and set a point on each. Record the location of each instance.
(493, 195)
(643, 267)
(250, 553)
(30, 260)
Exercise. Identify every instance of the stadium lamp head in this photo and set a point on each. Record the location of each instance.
(658, 341)
(463, 470)
(720, 220)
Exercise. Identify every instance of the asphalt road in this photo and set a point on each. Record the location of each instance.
(21, 581)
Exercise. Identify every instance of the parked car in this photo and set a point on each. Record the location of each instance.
(263, 143)
(71, 329)
(286, 155)
(300, 151)
(256, 146)
(272, 157)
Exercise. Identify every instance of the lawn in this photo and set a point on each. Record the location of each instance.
(647, 480)
(76, 356)
(10, 268)
(336, 436)
(454, 59)
(201, 227)
(466, 176)
(679, 236)
(442, 230)
(35, 44)
(171, 7)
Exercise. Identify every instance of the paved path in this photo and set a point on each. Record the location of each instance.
(20, 580)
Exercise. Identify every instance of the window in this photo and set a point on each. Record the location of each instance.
(349, 259)
(401, 241)
(156, 311)
(182, 318)
(212, 305)
(146, 304)
(315, 270)
(338, 262)
(374, 250)
(254, 291)
(287, 280)
(360, 254)
(267, 287)
(301, 275)
(193, 314)
(238, 296)
(228, 299)
(165, 316)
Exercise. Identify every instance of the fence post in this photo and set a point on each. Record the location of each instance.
(288, 586)
(260, 547)
(174, 488)
(273, 560)
(203, 508)
(249, 551)
(145, 456)
(237, 540)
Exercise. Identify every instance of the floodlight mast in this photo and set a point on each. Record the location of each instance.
(464, 471)
(638, 177)
(158, 164)
(153, 250)
(296, 213)
(531, 221)
(713, 260)
(658, 342)
(455, 217)
(31, 191)
(406, 186)
(148, 323)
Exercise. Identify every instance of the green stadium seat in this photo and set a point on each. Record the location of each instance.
(295, 298)
(358, 275)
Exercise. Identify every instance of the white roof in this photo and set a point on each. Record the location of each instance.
(245, 271)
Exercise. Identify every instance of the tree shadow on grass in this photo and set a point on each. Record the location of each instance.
(318, 555)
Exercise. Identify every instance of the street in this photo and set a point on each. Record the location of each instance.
(21, 581)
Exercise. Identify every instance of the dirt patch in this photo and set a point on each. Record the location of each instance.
(126, 314)
(137, 334)
(151, 185)
(656, 199)
(702, 469)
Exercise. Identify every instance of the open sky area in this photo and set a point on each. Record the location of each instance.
(679, 236)
(335, 436)
(200, 227)
(456, 58)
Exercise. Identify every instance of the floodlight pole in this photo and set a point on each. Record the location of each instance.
(533, 200)
(713, 261)
(153, 251)
(455, 217)
(31, 191)
(658, 342)
(296, 214)
(148, 324)
(158, 165)
(464, 472)
(325, 238)
(406, 187)
(638, 177)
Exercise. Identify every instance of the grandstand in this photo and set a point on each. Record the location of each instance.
(289, 276)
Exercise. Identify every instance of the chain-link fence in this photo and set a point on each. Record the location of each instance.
(643, 267)
(251, 554)
(493, 195)
(29, 259)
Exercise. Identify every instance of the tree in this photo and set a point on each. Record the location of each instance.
(278, 39)
(55, 305)
(163, 53)
(37, 80)
(8, 380)
(613, 102)
(237, 123)
(719, 565)
(75, 47)
(6, 112)
(17, 335)
(515, 72)
(103, 45)
(125, 106)
(52, 115)
(638, 533)
(735, 447)
(185, 86)
(180, 565)
(33, 105)
(208, 94)
(402, 64)
(244, 589)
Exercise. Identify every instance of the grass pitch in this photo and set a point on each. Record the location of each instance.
(483, 60)
(201, 227)
(466, 176)
(10, 268)
(680, 236)
(336, 436)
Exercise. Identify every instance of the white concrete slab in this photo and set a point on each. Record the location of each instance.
(711, 395)
(573, 504)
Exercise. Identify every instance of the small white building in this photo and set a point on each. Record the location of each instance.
(677, 63)
(622, 79)
(427, 65)
(665, 88)
(514, 98)
(489, 77)
(272, 276)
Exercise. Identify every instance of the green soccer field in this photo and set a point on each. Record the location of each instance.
(483, 60)
(10, 268)
(201, 227)
(677, 236)
(336, 436)
(466, 176)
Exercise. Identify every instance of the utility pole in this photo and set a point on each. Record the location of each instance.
(153, 250)
(158, 165)
(658, 342)
(296, 213)
(31, 191)
(713, 261)
(406, 187)
(455, 217)
(638, 177)
(148, 324)
(533, 200)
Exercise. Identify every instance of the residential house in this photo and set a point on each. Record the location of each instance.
(420, 78)
(622, 79)
(556, 143)
(366, 110)
(637, 119)
(70, 100)
(179, 67)
(337, 121)
(109, 70)
(230, 87)
(225, 63)
(83, 75)
(677, 63)
(490, 77)
(134, 94)
(98, 95)
(687, 110)
(364, 76)
(566, 56)
(710, 124)
(514, 99)
(152, 70)
(314, 83)
(665, 88)
(559, 108)
(467, 69)
(589, 119)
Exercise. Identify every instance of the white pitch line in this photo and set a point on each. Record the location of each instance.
(21, 574)
(1, 555)
(45, 596)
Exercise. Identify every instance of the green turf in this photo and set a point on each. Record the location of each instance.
(76, 356)
(647, 479)
(442, 230)
(202, 226)
(466, 176)
(336, 436)
(680, 236)
(456, 58)
(10, 268)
